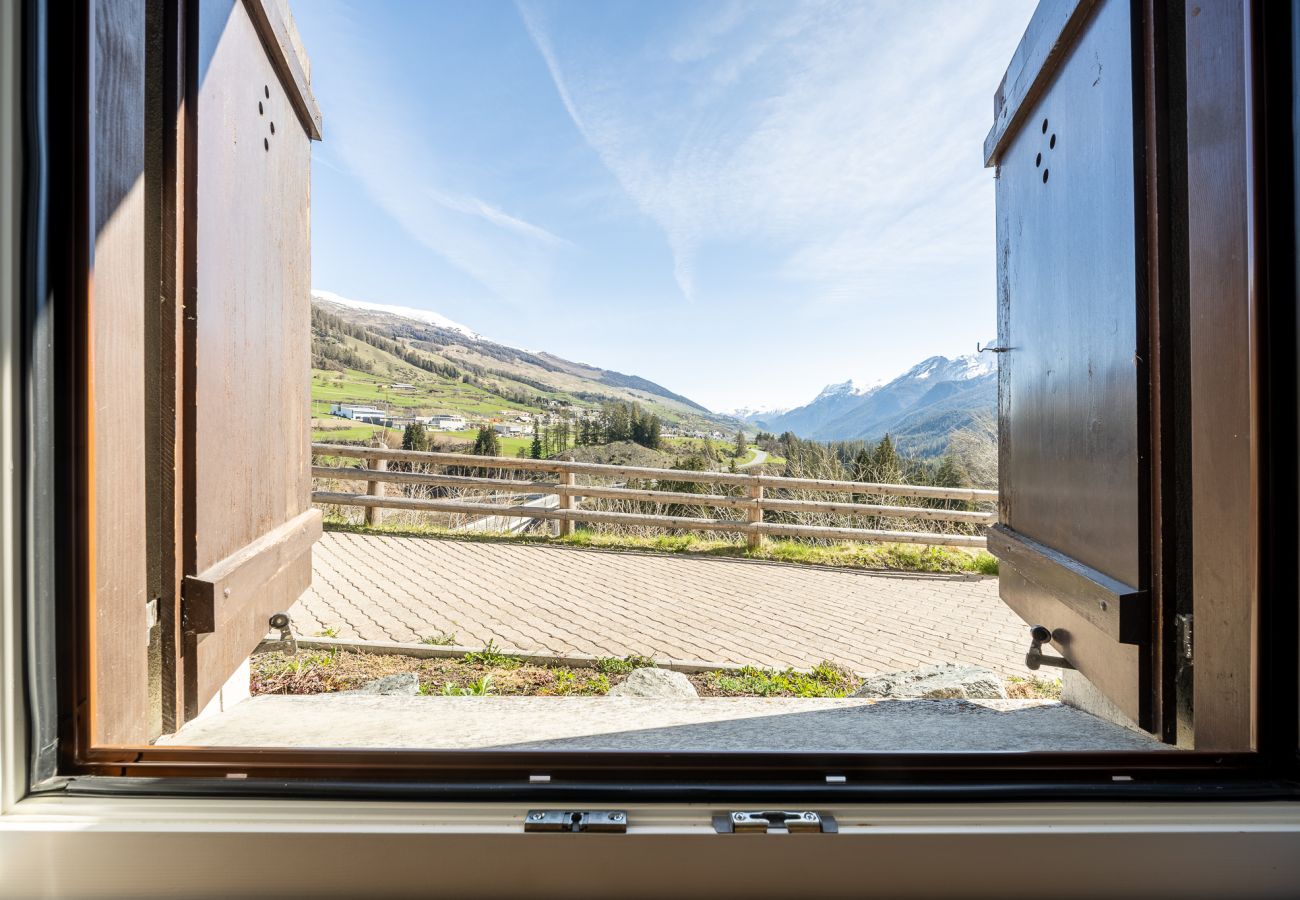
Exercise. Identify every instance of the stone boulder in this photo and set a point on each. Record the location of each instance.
(946, 681)
(403, 684)
(658, 684)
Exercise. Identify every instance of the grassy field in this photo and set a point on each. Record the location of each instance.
(510, 446)
(335, 430)
(345, 433)
(894, 557)
(433, 394)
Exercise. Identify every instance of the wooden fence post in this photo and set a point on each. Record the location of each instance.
(566, 502)
(374, 514)
(755, 541)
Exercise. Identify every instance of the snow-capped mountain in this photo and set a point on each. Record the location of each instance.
(918, 408)
(745, 413)
(424, 316)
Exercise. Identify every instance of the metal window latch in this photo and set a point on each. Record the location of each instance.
(990, 348)
(282, 623)
(608, 821)
(1035, 658)
(775, 821)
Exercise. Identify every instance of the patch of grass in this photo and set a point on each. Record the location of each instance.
(305, 672)
(328, 633)
(906, 557)
(492, 656)
(612, 665)
(480, 687)
(896, 557)
(827, 679)
(577, 683)
(356, 434)
(441, 639)
(1033, 688)
(318, 671)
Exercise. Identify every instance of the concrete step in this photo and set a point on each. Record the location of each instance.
(609, 723)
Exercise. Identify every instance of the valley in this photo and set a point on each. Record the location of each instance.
(377, 369)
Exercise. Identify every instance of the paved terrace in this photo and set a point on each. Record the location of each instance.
(566, 600)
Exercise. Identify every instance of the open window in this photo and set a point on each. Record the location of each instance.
(1140, 494)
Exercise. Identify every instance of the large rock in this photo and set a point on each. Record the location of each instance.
(946, 681)
(404, 684)
(660, 684)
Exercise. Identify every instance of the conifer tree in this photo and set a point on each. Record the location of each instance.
(536, 450)
(486, 443)
(654, 433)
(415, 437)
(885, 462)
(862, 465)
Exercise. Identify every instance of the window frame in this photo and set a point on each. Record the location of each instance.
(50, 462)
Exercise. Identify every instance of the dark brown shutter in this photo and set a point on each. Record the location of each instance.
(249, 523)
(1072, 322)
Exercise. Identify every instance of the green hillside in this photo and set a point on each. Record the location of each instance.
(358, 357)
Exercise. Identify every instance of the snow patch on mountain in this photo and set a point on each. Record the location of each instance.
(941, 368)
(423, 316)
(920, 406)
(749, 412)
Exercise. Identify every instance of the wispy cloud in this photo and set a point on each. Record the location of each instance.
(511, 257)
(833, 133)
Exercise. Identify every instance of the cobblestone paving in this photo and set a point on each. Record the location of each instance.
(562, 599)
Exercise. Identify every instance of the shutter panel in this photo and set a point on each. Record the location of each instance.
(1073, 539)
(249, 520)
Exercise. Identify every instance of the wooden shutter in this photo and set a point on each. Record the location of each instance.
(1072, 322)
(249, 524)
(118, 668)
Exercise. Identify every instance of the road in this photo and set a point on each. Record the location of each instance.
(756, 461)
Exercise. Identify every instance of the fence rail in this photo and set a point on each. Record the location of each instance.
(755, 501)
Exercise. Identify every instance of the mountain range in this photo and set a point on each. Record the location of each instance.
(919, 409)
(459, 369)
(441, 358)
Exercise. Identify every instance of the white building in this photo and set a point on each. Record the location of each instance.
(446, 423)
(508, 428)
(370, 414)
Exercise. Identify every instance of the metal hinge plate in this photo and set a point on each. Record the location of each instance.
(775, 821)
(608, 821)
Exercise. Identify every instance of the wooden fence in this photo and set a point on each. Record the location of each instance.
(752, 496)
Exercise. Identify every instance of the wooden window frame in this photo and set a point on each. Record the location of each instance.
(58, 524)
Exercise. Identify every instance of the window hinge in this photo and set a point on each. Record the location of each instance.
(608, 821)
(775, 821)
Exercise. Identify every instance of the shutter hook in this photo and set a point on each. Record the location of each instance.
(1035, 658)
(990, 348)
(282, 623)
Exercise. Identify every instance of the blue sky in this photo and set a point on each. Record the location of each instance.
(744, 201)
